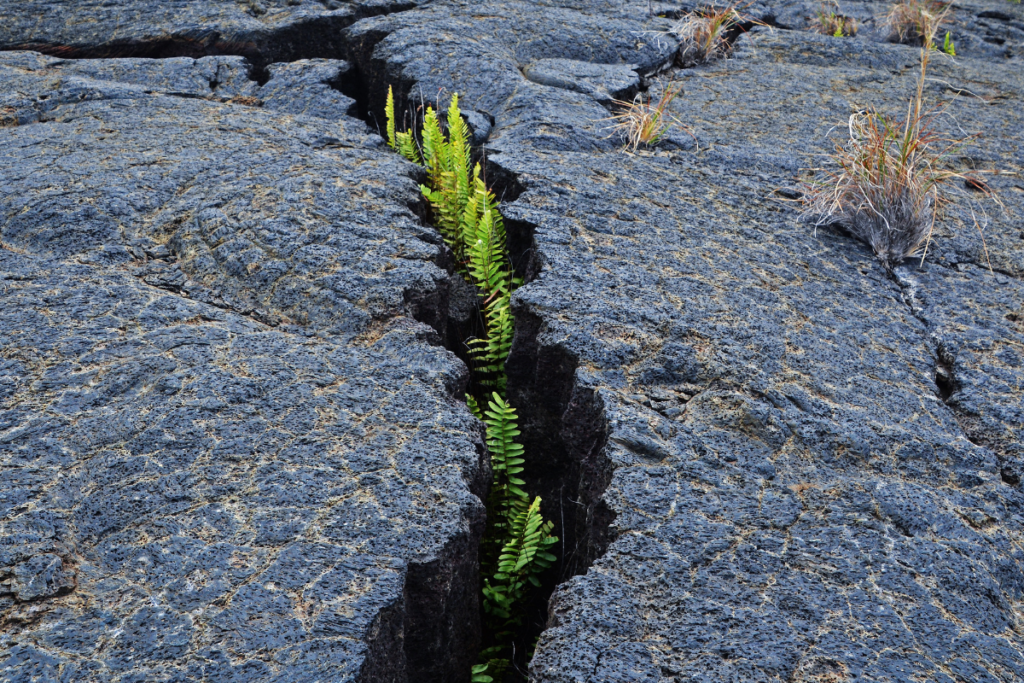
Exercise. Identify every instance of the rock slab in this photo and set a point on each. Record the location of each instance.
(231, 446)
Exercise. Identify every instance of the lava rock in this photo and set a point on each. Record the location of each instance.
(302, 216)
(198, 479)
(41, 576)
(310, 87)
(225, 490)
(264, 31)
(602, 82)
(773, 458)
(817, 507)
(424, 54)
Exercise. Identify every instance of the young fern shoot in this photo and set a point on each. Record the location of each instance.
(401, 142)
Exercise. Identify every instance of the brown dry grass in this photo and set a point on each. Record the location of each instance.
(893, 177)
(830, 22)
(917, 20)
(703, 35)
(645, 122)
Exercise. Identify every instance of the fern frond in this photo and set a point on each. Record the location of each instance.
(402, 142)
(389, 116)
(481, 673)
(523, 558)
(474, 407)
(486, 246)
(492, 670)
(506, 455)
(458, 137)
(435, 149)
(443, 218)
(490, 352)
(518, 539)
(407, 147)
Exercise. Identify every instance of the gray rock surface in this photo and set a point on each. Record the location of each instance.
(989, 30)
(306, 217)
(262, 30)
(603, 82)
(769, 458)
(306, 86)
(811, 466)
(228, 451)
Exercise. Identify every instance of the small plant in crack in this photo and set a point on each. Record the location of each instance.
(517, 539)
(830, 22)
(645, 122)
(893, 178)
(704, 35)
(947, 45)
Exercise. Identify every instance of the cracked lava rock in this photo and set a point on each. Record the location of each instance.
(232, 442)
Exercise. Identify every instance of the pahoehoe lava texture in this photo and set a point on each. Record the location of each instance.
(261, 30)
(230, 444)
(792, 499)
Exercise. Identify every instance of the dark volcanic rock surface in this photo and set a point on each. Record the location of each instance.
(812, 465)
(227, 450)
(263, 30)
(306, 217)
(775, 460)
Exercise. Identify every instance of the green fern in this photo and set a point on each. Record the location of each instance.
(948, 47)
(516, 543)
(490, 352)
(474, 407)
(402, 142)
(447, 162)
(389, 115)
(523, 558)
(506, 459)
(492, 670)
(525, 555)
(481, 673)
(483, 236)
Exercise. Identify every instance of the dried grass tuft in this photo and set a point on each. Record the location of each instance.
(893, 178)
(643, 122)
(917, 21)
(703, 35)
(830, 22)
(887, 189)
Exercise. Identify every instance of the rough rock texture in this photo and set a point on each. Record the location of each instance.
(812, 466)
(309, 218)
(769, 458)
(306, 86)
(980, 29)
(262, 30)
(227, 450)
